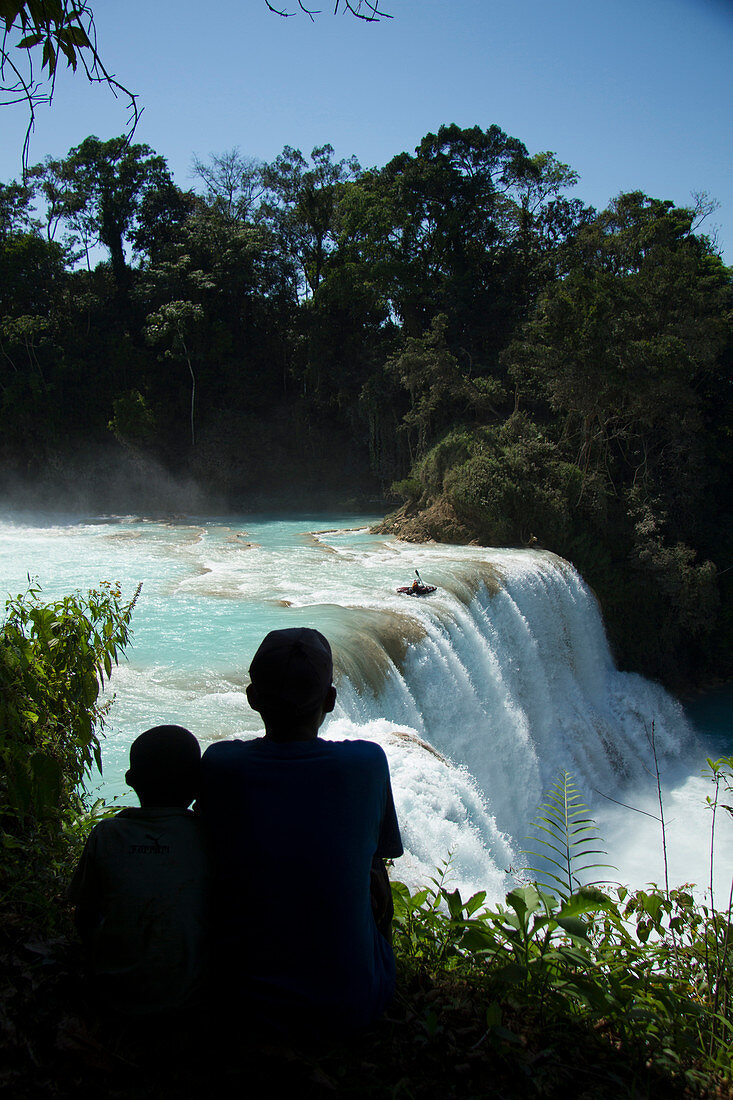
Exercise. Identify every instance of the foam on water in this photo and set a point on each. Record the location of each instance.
(443, 815)
(479, 695)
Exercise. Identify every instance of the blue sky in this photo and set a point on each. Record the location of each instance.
(630, 93)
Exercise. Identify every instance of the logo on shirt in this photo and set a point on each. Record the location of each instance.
(154, 849)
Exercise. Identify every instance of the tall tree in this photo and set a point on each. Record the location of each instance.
(97, 191)
(233, 183)
(176, 326)
(233, 281)
(31, 286)
(442, 230)
(161, 218)
(625, 354)
(620, 346)
(302, 206)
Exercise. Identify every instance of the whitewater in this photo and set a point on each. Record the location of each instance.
(480, 695)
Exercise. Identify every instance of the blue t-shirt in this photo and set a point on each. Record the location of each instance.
(293, 829)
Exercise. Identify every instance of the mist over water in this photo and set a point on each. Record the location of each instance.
(94, 479)
(479, 694)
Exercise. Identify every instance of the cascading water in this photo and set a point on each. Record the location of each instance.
(512, 678)
(479, 694)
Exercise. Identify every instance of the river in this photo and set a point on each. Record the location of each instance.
(480, 694)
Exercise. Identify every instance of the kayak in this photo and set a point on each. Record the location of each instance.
(421, 590)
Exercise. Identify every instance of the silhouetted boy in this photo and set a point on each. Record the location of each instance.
(299, 827)
(141, 885)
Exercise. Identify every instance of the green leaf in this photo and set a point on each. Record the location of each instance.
(76, 36)
(478, 939)
(524, 900)
(474, 903)
(573, 927)
(455, 905)
(69, 54)
(586, 900)
(11, 842)
(10, 10)
(30, 41)
(49, 57)
(399, 890)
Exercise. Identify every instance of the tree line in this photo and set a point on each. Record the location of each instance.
(519, 367)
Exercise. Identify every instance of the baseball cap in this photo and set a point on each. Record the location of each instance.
(292, 668)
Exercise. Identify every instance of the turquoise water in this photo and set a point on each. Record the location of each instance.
(479, 695)
(712, 716)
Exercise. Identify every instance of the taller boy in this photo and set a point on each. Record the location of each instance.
(295, 823)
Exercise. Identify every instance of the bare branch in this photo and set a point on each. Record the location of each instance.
(367, 10)
(65, 29)
(278, 11)
(704, 206)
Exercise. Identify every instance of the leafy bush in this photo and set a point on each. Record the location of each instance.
(133, 421)
(649, 971)
(453, 449)
(515, 486)
(409, 489)
(54, 658)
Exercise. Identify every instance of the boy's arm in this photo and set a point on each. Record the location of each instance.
(83, 893)
(389, 845)
(381, 897)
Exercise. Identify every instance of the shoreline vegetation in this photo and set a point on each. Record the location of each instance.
(594, 988)
(453, 330)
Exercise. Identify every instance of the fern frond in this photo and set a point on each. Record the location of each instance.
(563, 829)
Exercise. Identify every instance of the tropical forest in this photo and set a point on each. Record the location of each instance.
(453, 338)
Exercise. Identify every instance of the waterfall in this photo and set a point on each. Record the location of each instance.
(480, 694)
(486, 692)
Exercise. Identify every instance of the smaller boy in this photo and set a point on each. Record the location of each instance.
(140, 889)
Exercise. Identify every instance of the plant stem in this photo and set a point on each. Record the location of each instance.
(652, 742)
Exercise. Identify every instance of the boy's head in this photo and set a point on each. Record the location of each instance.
(291, 679)
(164, 767)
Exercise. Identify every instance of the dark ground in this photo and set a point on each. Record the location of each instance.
(57, 1042)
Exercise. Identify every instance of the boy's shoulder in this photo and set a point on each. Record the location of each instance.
(229, 753)
(365, 752)
(133, 820)
(145, 815)
(235, 748)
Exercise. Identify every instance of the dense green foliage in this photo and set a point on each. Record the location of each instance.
(632, 992)
(54, 658)
(521, 368)
(651, 970)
